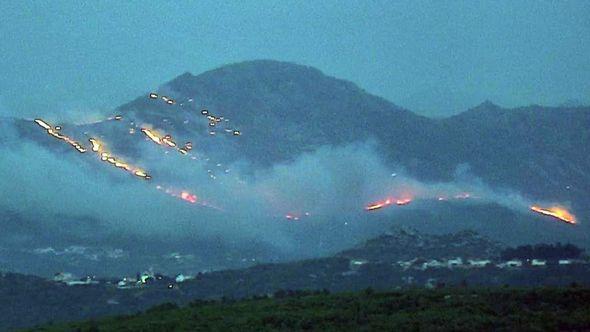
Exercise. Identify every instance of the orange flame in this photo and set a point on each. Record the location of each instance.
(381, 204)
(556, 212)
(54, 131)
(98, 147)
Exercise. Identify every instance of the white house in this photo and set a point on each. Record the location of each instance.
(479, 262)
(183, 278)
(63, 277)
(513, 263)
(457, 262)
(406, 264)
(355, 264)
(433, 264)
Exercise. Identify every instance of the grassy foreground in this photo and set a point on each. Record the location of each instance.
(457, 309)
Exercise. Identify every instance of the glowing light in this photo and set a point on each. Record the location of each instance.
(387, 202)
(188, 197)
(463, 196)
(98, 147)
(55, 133)
(557, 212)
(151, 135)
(167, 140)
(404, 201)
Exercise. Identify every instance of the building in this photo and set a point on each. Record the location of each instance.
(356, 264)
(457, 262)
(479, 262)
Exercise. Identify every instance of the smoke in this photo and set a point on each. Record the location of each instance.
(70, 199)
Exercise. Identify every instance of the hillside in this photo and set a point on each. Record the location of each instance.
(287, 109)
(543, 309)
(376, 264)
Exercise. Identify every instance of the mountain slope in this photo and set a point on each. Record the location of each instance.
(285, 109)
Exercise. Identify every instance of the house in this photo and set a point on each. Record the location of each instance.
(511, 263)
(355, 264)
(182, 278)
(127, 283)
(63, 277)
(84, 281)
(433, 264)
(457, 262)
(406, 264)
(479, 262)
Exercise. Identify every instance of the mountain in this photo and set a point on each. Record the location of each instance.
(285, 111)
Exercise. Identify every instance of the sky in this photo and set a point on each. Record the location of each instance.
(435, 58)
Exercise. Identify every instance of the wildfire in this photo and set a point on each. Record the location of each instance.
(296, 216)
(184, 194)
(98, 147)
(188, 197)
(166, 140)
(389, 201)
(556, 212)
(152, 135)
(463, 196)
(54, 131)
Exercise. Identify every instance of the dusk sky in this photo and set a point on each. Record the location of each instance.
(435, 58)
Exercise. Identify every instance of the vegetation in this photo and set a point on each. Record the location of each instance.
(500, 309)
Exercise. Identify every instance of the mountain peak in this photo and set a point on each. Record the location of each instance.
(486, 105)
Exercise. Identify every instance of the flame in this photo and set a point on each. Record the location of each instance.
(386, 202)
(167, 140)
(188, 197)
(296, 216)
(152, 135)
(557, 212)
(185, 195)
(98, 147)
(404, 201)
(463, 196)
(54, 131)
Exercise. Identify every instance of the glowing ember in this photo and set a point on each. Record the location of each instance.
(556, 212)
(152, 135)
(55, 133)
(291, 217)
(463, 196)
(188, 197)
(404, 201)
(389, 201)
(98, 147)
(165, 140)
(184, 195)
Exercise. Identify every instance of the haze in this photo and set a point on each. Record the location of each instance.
(435, 58)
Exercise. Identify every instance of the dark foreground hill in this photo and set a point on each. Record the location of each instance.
(400, 260)
(460, 309)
